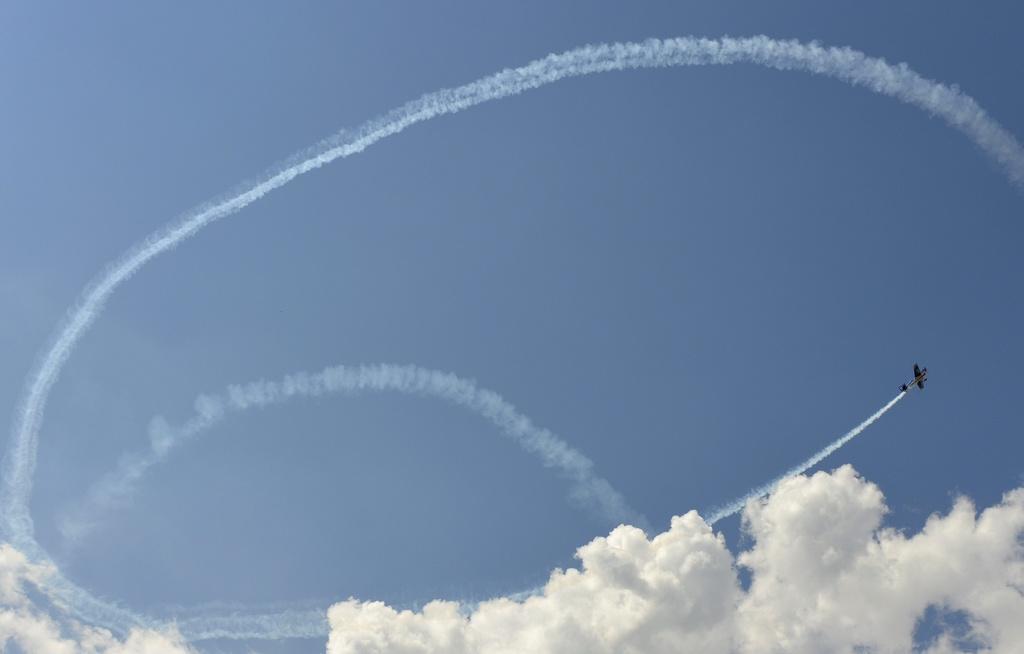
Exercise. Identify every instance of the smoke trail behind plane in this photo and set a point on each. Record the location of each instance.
(897, 81)
(588, 489)
(737, 505)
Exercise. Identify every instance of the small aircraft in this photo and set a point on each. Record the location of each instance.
(920, 375)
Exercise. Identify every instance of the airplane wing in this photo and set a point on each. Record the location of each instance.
(917, 371)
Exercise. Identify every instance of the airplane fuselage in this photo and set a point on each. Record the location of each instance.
(920, 376)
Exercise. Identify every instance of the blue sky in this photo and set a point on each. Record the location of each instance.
(697, 277)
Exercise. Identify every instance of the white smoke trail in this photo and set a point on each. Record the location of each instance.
(898, 81)
(737, 505)
(594, 492)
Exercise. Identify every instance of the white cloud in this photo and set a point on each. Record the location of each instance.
(35, 631)
(825, 578)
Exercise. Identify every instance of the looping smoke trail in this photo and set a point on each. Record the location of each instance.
(737, 505)
(587, 487)
(897, 81)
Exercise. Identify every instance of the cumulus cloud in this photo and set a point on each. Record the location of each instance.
(825, 577)
(33, 629)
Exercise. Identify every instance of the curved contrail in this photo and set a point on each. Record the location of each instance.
(898, 81)
(588, 488)
(737, 505)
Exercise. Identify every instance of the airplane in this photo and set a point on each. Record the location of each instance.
(920, 375)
